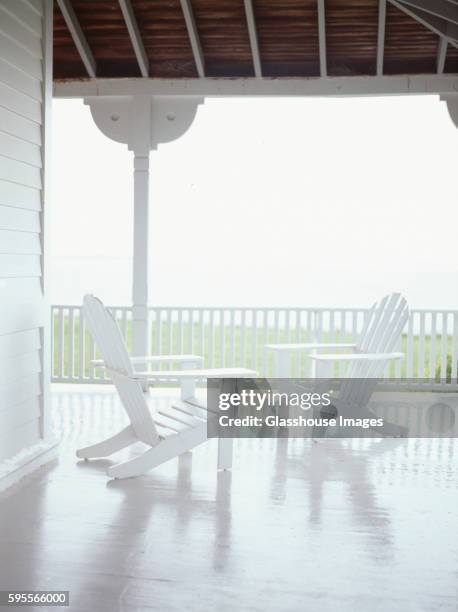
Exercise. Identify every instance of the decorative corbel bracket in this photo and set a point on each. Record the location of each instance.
(143, 122)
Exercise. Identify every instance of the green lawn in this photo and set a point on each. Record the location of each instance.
(224, 352)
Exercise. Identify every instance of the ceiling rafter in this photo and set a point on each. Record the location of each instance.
(381, 35)
(441, 27)
(441, 55)
(78, 36)
(193, 36)
(440, 8)
(322, 38)
(135, 36)
(252, 32)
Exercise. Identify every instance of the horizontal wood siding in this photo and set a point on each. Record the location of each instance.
(22, 310)
(10, 395)
(18, 439)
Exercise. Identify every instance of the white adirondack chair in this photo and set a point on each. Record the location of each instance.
(376, 345)
(368, 340)
(375, 348)
(169, 432)
(107, 336)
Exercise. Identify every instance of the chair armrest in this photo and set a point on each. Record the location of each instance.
(357, 357)
(197, 359)
(310, 345)
(167, 358)
(203, 373)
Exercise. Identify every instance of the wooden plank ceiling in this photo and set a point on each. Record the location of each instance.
(287, 33)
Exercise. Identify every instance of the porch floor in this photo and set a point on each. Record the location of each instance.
(339, 525)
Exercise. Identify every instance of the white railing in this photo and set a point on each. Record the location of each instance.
(237, 337)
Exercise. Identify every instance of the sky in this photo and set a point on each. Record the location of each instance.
(266, 202)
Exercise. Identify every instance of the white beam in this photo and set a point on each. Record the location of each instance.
(251, 22)
(301, 87)
(135, 37)
(78, 37)
(193, 37)
(381, 35)
(322, 38)
(442, 28)
(441, 55)
(440, 8)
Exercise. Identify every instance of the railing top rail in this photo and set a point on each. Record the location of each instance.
(266, 308)
(81, 306)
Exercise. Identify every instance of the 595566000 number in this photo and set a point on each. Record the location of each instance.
(36, 598)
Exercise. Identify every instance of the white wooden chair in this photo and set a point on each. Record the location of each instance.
(379, 321)
(108, 338)
(169, 432)
(364, 368)
(376, 344)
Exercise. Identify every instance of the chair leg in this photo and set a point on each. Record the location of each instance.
(166, 449)
(187, 389)
(225, 451)
(124, 438)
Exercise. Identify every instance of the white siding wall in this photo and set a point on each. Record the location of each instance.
(24, 108)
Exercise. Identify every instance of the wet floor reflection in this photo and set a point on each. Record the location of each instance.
(294, 523)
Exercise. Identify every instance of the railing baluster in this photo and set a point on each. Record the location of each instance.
(444, 343)
(70, 344)
(158, 331)
(53, 343)
(254, 340)
(60, 343)
(311, 331)
(454, 349)
(286, 338)
(421, 348)
(202, 337)
(211, 331)
(242, 337)
(432, 350)
(265, 340)
(81, 345)
(232, 339)
(343, 326)
(91, 351)
(331, 338)
(190, 331)
(319, 325)
(297, 336)
(180, 332)
(169, 336)
(409, 356)
(222, 339)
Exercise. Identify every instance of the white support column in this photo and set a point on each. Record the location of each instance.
(142, 122)
(140, 285)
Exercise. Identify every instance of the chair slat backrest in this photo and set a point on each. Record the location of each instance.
(382, 330)
(107, 336)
